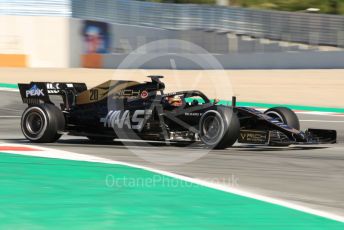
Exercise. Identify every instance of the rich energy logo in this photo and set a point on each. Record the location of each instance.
(129, 93)
(34, 91)
(254, 137)
(118, 119)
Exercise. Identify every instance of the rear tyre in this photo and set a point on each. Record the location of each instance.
(42, 123)
(219, 128)
(285, 115)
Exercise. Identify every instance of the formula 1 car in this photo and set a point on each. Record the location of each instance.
(133, 110)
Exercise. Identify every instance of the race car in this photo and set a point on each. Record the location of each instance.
(119, 109)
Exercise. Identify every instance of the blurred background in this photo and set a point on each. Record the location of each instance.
(241, 34)
(323, 6)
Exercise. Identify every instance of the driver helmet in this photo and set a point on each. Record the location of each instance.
(175, 100)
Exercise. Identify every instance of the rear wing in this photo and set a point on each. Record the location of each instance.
(38, 92)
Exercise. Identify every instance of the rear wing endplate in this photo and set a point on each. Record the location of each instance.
(38, 92)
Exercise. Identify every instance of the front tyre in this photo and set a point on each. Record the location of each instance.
(219, 128)
(42, 123)
(285, 115)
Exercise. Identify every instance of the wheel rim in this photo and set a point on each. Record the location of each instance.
(275, 116)
(211, 129)
(34, 123)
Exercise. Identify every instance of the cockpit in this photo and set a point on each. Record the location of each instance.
(185, 99)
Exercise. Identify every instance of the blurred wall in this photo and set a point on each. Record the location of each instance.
(124, 39)
(313, 29)
(75, 45)
(282, 60)
(39, 41)
(34, 41)
(127, 38)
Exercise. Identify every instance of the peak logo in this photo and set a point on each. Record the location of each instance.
(34, 92)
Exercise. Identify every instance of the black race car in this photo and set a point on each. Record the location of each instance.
(133, 110)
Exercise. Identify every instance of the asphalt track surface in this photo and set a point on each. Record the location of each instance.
(312, 176)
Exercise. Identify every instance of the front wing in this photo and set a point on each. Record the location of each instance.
(275, 137)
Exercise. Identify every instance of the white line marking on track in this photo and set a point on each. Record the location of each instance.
(7, 109)
(332, 114)
(8, 89)
(311, 112)
(322, 121)
(59, 154)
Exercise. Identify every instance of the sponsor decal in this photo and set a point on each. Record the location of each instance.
(144, 94)
(127, 93)
(53, 88)
(94, 95)
(120, 119)
(34, 91)
(194, 114)
(172, 94)
(254, 137)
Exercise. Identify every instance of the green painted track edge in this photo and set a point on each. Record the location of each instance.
(330, 224)
(9, 86)
(250, 104)
(293, 107)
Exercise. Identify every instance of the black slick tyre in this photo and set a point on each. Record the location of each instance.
(285, 115)
(220, 128)
(42, 123)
